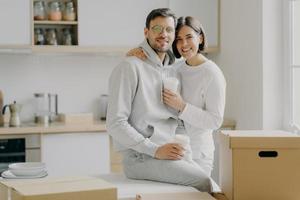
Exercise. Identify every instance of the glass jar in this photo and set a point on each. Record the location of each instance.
(51, 36)
(69, 12)
(54, 12)
(67, 37)
(39, 38)
(39, 10)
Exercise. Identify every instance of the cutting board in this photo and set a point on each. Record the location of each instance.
(76, 118)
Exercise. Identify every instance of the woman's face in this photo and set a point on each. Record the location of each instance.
(187, 42)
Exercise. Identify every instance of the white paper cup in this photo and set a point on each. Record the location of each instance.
(171, 83)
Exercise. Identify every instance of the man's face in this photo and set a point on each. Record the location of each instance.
(161, 33)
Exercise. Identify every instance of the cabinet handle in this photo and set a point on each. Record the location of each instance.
(2, 147)
(268, 154)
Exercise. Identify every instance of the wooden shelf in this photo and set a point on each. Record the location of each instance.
(61, 49)
(47, 22)
(74, 49)
(15, 49)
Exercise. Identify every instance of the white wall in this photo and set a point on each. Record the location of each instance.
(240, 59)
(79, 80)
(251, 59)
(272, 64)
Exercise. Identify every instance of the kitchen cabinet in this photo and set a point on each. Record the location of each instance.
(33, 147)
(15, 23)
(82, 153)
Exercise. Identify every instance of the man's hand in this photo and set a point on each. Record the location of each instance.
(170, 151)
(137, 52)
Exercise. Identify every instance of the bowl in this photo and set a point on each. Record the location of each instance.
(27, 168)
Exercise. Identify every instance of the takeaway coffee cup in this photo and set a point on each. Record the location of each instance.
(171, 83)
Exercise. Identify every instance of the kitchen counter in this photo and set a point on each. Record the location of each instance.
(97, 126)
(57, 127)
(66, 148)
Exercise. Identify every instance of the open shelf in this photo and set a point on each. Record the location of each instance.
(53, 33)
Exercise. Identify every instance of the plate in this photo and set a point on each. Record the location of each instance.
(26, 172)
(8, 175)
(27, 168)
(27, 165)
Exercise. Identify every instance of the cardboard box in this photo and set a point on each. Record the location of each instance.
(176, 196)
(72, 188)
(260, 165)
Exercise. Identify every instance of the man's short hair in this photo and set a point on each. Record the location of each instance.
(160, 12)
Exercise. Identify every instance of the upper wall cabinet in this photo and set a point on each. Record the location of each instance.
(114, 23)
(15, 22)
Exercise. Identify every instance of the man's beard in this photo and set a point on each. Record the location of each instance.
(159, 49)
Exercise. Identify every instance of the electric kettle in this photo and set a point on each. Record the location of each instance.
(15, 110)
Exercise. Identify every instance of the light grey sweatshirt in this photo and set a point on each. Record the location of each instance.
(136, 117)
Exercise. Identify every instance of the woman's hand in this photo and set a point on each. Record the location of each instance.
(173, 100)
(137, 52)
(169, 151)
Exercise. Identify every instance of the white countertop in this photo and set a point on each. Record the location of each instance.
(58, 127)
(29, 128)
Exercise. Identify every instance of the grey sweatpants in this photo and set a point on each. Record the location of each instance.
(144, 167)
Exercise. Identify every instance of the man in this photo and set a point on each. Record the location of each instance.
(140, 124)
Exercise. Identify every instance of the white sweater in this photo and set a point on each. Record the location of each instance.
(136, 117)
(203, 88)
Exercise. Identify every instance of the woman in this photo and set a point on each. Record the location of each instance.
(202, 101)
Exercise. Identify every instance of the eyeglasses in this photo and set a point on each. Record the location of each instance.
(160, 29)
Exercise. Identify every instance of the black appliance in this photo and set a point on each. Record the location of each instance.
(11, 151)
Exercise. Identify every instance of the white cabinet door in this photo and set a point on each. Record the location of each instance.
(114, 22)
(76, 153)
(33, 148)
(15, 22)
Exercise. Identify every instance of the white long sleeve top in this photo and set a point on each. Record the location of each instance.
(203, 88)
(136, 117)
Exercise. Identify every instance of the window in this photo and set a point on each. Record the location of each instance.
(293, 62)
